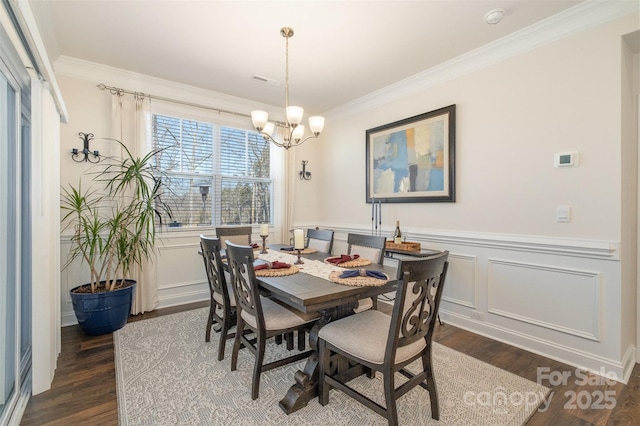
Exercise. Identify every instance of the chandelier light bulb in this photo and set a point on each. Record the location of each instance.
(269, 128)
(294, 115)
(259, 119)
(298, 133)
(316, 124)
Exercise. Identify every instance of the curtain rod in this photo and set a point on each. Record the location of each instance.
(121, 92)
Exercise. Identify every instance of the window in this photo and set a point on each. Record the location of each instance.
(214, 175)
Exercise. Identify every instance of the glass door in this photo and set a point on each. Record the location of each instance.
(15, 235)
(8, 246)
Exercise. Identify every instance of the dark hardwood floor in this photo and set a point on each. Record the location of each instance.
(83, 391)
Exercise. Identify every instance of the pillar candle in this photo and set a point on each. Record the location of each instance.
(298, 239)
(264, 229)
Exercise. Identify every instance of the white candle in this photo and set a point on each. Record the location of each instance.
(264, 229)
(298, 239)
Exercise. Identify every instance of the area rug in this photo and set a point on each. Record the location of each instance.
(168, 375)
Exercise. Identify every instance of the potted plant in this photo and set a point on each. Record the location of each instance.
(114, 230)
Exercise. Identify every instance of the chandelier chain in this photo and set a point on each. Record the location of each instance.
(286, 74)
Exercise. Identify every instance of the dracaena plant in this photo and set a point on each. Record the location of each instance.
(114, 225)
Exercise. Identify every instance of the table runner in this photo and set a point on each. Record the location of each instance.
(312, 267)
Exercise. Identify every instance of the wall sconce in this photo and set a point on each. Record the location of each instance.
(75, 154)
(304, 174)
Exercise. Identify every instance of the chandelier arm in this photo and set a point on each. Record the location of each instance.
(306, 139)
(268, 138)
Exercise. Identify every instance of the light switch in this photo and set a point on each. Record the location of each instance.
(563, 213)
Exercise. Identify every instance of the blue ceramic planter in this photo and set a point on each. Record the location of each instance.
(102, 313)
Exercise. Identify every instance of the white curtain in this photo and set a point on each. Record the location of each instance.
(130, 118)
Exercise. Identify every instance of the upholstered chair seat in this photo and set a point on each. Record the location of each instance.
(277, 317)
(365, 337)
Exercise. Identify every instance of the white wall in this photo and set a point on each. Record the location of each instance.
(517, 274)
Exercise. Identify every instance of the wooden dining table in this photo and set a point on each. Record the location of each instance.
(331, 301)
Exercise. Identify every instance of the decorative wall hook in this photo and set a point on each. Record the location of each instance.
(76, 155)
(304, 174)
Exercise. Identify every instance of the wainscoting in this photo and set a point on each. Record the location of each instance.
(555, 297)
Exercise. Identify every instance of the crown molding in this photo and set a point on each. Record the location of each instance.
(581, 17)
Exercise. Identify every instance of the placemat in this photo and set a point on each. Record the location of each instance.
(282, 272)
(355, 263)
(357, 281)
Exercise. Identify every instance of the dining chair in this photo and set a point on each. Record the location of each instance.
(263, 316)
(389, 343)
(368, 247)
(236, 234)
(221, 293)
(320, 239)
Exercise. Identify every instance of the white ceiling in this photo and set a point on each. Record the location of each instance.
(341, 50)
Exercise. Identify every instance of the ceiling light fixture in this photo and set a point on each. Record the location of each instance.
(292, 131)
(494, 16)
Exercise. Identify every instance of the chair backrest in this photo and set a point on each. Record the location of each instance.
(320, 239)
(367, 246)
(236, 234)
(243, 277)
(417, 301)
(213, 265)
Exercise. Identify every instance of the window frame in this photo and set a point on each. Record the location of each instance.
(219, 120)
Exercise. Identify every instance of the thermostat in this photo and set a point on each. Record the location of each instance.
(565, 159)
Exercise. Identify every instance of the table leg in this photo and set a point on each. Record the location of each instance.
(306, 381)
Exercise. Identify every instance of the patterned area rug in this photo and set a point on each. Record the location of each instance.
(167, 375)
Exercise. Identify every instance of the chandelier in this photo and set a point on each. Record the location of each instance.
(292, 132)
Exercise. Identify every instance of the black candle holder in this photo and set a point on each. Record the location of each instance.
(264, 244)
(299, 261)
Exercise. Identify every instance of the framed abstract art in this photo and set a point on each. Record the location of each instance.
(413, 160)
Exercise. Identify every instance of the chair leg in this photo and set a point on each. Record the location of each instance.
(236, 343)
(279, 339)
(431, 385)
(389, 396)
(257, 367)
(226, 325)
(207, 336)
(301, 340)
(323, 368)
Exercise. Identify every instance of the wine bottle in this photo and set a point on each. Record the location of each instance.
(397, 235)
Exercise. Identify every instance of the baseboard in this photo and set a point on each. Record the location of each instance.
(67, 319)
(182, 298)
(618, 370)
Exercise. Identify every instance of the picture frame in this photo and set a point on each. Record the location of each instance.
(412, 160)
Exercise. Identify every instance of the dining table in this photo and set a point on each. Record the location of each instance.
(310, 290)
